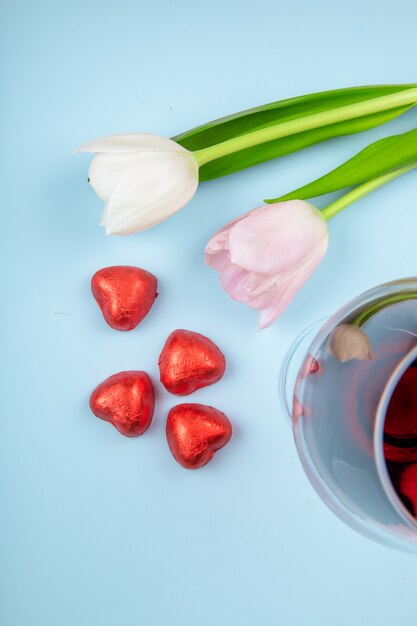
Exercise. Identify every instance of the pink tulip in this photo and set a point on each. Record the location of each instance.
(266, 256)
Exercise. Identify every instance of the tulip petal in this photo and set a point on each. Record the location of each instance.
(106, 171)
(103, 218)
(126, 143)
(276, 237)
(219, 260)
(295, 280)
(157, 186)
(217, 250)
(220, 240)
(267, 317)
(263, 290)
(234, 281)
(257, 291)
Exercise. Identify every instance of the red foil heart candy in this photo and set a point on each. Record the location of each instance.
(126, 400)
(125, 294)
(189, 361)
(195, 432)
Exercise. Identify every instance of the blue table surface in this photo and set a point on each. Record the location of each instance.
(101, 530)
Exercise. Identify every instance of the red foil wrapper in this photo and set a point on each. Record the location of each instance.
(125, 294)
(189, 361)
(126, 400)
(195, 432)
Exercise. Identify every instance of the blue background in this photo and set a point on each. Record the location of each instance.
(100, 530)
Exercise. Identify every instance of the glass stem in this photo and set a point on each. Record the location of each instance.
(362, 190)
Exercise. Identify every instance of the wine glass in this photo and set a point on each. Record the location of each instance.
(352, 397)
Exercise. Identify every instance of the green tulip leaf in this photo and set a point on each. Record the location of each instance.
(306, 116)
(377, 159)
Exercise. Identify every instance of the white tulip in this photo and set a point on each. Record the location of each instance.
(143, 178)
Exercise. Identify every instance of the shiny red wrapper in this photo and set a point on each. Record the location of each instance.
(126, 400)
(125, 294)
(189, 361)
(195, 432)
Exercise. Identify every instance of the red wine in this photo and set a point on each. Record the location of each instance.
(400, 438)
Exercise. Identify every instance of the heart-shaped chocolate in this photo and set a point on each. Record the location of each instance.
(195, 432)
(126, 400)
(125, 294)
(189, 361)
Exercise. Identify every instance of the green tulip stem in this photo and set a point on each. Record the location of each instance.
(365, 315)
(310, 122)
(362, 190)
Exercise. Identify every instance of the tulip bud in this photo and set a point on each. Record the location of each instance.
(349, 342)
(143, 178)
(266, 256)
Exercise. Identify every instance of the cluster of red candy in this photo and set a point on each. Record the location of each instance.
(188, 361)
